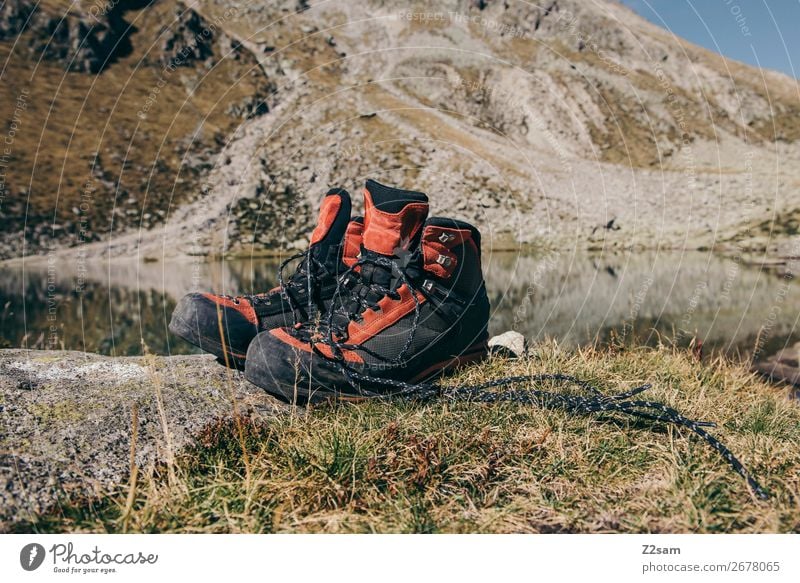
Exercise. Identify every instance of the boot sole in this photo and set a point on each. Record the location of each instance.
(208, 344)
(475, 353)
(304, 395)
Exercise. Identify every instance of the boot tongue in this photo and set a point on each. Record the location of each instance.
(393, 218)
(334, 216)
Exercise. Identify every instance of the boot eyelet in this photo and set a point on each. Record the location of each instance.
(444, 260)
(427, 285)
(446, 237)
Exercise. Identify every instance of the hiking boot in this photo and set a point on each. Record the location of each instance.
(413, 306)
(224, 325)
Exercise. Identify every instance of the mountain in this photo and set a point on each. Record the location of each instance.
(564, 124)
(115, 111)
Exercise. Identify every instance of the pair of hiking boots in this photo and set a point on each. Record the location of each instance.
(376, 304)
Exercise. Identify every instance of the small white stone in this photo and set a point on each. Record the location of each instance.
(509, 343)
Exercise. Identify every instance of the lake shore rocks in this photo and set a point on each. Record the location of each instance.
(783, 366)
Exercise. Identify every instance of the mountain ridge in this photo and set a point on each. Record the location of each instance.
(572, 124)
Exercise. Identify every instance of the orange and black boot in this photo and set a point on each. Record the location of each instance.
(224, 325)
(413, 306)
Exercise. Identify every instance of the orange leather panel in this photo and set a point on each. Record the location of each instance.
(284, 336)
(352, 243)
(327, 213)
(384, 232)
(390, 312)
(243, 306)
(433, 247)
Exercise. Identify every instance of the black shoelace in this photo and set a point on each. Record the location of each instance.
(357, 298)
(593, 402)
(307, 274)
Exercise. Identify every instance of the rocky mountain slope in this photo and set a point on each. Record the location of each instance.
(114, 113)
(568, 124)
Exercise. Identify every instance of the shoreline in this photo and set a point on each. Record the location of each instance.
(771, 255)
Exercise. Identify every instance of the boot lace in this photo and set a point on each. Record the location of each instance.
(308, 272)
(361, 287)
(593, 402)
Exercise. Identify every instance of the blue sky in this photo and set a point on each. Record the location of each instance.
(757, 32)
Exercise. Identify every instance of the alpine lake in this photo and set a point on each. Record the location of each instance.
(576, 298)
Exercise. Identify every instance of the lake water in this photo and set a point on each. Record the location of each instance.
(576, 298)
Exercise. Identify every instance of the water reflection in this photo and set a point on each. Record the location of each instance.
(576, 298)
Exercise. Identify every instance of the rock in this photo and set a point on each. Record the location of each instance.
(509, 344)
(784, 366)
(84, 42)
(187, 40)
(14, 16)
(67, 419)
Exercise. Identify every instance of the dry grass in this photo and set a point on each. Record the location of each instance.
(141, 166)
(466, 467)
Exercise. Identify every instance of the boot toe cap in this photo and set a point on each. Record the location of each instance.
(196, 319)
(289, 372)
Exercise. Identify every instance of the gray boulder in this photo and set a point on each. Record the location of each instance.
(67, 419)
(783, 366)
